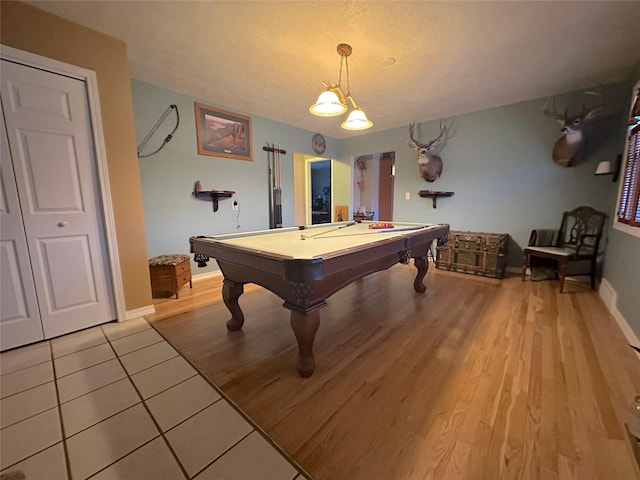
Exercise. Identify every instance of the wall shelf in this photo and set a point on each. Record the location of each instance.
(213, 195)
(434, 195)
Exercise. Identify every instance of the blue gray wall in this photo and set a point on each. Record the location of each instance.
(497, 161)
(171, 213)
(622, 262)
(498, 164)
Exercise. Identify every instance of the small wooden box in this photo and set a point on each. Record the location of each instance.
(359, 217)
(169, 273)
(476, 253)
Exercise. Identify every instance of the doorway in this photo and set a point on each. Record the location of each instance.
(373, 186)
(320, 199)
(340, 188)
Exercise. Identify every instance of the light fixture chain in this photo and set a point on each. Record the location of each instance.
(346, 62)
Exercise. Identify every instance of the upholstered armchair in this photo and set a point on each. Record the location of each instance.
(577, 240)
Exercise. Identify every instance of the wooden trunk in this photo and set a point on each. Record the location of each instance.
(476, 253)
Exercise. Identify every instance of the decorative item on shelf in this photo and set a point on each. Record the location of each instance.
(213, 195)
(361, 164)
(362, 214)
(333, 101)
(434, 195)
(606, 167)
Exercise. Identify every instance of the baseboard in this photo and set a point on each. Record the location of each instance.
(150, 309)
(610, 298)
(203, 276)
(140, 312)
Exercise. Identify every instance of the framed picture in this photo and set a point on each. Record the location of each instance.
(223, 134)
(342, 214)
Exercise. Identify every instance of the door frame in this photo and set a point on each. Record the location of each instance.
(309, 187)
(90, 80)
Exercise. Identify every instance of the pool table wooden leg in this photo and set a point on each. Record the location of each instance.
(422, 264)
(304, 327)
(231, 292)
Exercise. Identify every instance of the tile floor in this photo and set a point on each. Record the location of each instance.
(118, 402)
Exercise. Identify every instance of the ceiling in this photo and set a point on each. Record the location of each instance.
(269, 58)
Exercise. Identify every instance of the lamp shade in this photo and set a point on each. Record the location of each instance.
(357, 121)
(328, 105)
(604, 168)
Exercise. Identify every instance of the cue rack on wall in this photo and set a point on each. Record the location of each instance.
(275, 187)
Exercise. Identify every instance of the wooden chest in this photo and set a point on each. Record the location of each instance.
(477, 253)
(169, 273)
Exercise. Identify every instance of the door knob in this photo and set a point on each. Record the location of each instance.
(62, 223)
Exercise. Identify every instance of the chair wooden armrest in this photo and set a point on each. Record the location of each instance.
(589, 247)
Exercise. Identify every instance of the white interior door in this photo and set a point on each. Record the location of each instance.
(49, 133)
(19, 316)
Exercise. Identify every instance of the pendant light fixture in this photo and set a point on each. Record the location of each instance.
(333, 101)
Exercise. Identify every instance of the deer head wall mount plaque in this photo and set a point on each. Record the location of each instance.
(569, 149)
(429, 165)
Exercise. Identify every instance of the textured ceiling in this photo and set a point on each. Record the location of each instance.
(269, 58)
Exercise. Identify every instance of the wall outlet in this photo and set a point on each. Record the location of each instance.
(407, 196)
(235, 205)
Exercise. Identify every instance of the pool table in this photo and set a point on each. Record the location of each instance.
(306, 265)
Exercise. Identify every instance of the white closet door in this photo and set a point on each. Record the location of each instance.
(49, 132)
(19, 316)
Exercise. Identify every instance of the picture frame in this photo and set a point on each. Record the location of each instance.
(221, 133)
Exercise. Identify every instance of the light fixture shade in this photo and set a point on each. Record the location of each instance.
(604, 168)
(357, 121)
(328, 105)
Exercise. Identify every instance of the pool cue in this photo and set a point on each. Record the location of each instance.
(331, 230)
(389, 230)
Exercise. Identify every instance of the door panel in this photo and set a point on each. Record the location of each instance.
(68, 284)
(385, 188)
(49, 132)
(43, 155)
(19, 316)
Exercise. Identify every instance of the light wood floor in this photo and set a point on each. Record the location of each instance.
(477, 378)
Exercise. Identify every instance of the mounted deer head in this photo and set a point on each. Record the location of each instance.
(430, 166)
(568, 150)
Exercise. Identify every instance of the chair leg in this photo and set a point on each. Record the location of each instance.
(562, 271)
(593, 274)
(525, 261)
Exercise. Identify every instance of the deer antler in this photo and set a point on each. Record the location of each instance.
(553, 114)
(416, 142)
(591, 112)
(585, 112)
(433, 143)
(436, 141)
